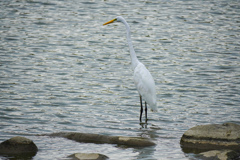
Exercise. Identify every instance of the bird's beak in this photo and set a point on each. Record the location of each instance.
(110, 21)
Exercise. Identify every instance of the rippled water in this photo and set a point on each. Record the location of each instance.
(62, 70)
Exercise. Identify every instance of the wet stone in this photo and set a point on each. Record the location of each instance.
(87, 156)
(220, 155)
(19, 147)
(100, 139)
(211, 137)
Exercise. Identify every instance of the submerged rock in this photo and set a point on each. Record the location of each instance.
(87, 156)
(220, 155)
(99, 139)
(213, 136)
(18, 146)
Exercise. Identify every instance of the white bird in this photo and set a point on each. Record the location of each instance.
(143, 79)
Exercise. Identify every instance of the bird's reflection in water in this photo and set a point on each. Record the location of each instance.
(149, 131)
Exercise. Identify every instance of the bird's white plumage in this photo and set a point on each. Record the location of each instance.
(145, 85)
(142, 77)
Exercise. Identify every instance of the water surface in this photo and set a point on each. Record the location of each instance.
(62, 70)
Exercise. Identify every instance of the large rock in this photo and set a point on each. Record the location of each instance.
(97, 138)
(87, 156)
(213, 136)
(18, 146)
(220, 155)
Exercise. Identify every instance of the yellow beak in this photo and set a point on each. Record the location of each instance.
(110, 21)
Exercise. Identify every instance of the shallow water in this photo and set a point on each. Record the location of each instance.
(62, 70)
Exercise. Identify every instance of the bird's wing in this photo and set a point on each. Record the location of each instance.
(142, 79)
(145, 85)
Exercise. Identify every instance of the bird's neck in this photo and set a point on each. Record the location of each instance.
(132, 52)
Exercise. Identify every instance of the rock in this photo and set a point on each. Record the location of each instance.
(220, 155)
(99, 139)
(87, 156)
(18, 146)
(211, 137)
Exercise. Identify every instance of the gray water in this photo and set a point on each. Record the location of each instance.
(62, 70)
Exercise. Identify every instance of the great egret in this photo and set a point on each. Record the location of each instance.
(142, 77)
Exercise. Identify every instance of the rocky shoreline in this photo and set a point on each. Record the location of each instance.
(213, 141)
(23, 148)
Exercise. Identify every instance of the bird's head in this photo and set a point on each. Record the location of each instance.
(117, 19)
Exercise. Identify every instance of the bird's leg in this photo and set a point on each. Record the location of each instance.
(146, 111)
(141, 110)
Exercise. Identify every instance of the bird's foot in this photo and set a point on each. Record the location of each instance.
(143, 124)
